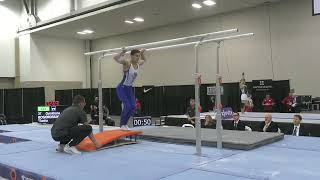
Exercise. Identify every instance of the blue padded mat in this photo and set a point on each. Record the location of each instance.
(20, 127)
(270, 163)
(202, 175)
(301, 142)
(136, 163)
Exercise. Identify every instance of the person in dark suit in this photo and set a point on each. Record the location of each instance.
(191, 112)
(297, 129)
(268, 125)
(236, 124)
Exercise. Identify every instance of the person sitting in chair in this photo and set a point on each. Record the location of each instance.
(290, 104)
(94, 111)
(236, 124)
(3, 119)
(107, 119)
(297, 129)
(191, 111)
(268, 125)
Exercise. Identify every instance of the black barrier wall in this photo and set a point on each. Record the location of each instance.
(165, 100)
(19, 105)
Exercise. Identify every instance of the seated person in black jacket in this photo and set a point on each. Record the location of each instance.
(94, 111)
(236, 124)
(3, 119)
(297, 129)
(107, 119)
(191, 112)
(268, 125)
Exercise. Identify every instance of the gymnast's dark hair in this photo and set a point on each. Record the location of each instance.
(134, 51)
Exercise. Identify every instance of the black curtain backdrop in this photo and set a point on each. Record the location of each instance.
(110, 98)
(21, 104)
(13, 106)
(230, 97)
(86, 93)
(151, 99)
(176, 99)
(115, 106)
(205, 101)
(32, 98)
(280, 90)
(94, 93)
(64, 97)
(166, 100)
(106, 93)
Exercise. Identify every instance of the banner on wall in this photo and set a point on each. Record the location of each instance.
(262, 85)
(147, 89)
(211, 90)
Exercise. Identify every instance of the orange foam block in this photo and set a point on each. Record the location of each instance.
(105, 138)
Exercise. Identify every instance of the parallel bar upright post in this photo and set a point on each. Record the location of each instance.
(100, 95)
(218, 101)
(197, 101)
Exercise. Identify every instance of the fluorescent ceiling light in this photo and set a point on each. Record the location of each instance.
(2, 0)
(138, 19)
(128, 21)
(196, 5)
(209, 2)
(81, 32)
(86, 31)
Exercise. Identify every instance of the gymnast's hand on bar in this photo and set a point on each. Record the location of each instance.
(123, 50)
(142, 58)
(142, 51)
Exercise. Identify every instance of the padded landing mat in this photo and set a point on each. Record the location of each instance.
(19, 127)
(105, 138)
(241, 140)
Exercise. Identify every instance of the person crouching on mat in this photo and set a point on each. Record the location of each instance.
(66, 128)
(124, 89)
